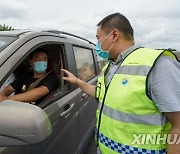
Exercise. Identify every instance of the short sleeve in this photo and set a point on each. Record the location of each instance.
(164, 84)
(51, 82)
(17, 83)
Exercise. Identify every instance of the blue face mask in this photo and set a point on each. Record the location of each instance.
(40, 67)
(102, 53)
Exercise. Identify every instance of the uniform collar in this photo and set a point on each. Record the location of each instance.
(125, 53)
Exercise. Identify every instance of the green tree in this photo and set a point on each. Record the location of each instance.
(5, 28)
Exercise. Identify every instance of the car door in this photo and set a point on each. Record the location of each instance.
(86, 70)
(62, 109)
(64, 119)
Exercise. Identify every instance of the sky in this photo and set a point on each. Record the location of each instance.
(156, 23)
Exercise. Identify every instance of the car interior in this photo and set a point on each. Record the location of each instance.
(55, 63)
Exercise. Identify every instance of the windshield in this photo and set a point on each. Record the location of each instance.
(5, 41)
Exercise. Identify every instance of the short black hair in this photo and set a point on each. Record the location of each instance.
(119, 22)
(38, 50)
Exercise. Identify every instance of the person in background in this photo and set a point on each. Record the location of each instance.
(23, 86)
(137, 92)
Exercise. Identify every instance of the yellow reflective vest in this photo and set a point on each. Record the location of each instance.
(127, 119)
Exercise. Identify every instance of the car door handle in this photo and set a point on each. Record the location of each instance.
(84, 95)
(67, 112)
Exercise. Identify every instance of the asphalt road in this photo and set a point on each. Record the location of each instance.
(91, 148)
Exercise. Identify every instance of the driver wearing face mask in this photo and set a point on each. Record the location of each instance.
(23, 86)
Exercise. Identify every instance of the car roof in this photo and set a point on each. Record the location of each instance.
(69, 36)
(13, 32)
(23, 36)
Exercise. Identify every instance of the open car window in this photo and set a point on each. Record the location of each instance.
(55, 63)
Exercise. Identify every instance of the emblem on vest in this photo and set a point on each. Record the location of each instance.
(124, 81)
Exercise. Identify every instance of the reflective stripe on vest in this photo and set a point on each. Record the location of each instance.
(126, 149)
(132, 70)
(148, 119)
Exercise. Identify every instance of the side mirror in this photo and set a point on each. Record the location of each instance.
(22, 124)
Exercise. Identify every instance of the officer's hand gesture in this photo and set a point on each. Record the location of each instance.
(70, 77)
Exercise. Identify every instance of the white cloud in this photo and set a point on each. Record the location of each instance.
(156, 23)
(12, 9)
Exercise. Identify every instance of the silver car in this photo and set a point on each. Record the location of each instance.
(64, 121)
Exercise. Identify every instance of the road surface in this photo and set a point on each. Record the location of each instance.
(91, 148)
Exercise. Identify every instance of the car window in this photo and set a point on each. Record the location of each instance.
(55, 63)
(84, 63)
(5, 41)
